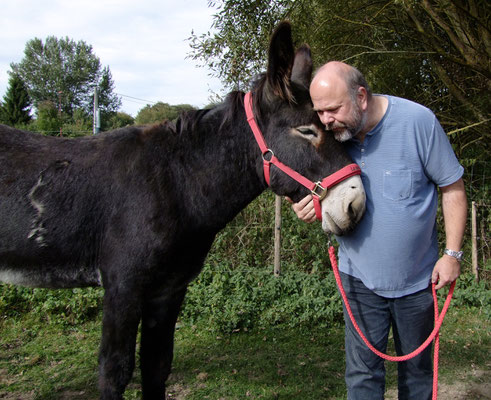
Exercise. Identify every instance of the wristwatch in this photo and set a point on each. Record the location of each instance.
(455, 254)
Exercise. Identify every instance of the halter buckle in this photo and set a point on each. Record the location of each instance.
(319, 190)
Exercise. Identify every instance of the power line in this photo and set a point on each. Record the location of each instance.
(136, 98)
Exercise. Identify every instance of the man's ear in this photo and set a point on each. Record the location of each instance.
(362, 96)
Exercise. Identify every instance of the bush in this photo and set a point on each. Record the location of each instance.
(63, 306)
(469, 293)
(244, 298)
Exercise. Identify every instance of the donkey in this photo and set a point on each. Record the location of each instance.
(136, 210)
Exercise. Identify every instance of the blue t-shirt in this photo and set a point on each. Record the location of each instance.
(394, 248)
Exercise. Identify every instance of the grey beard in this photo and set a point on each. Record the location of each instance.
(348, 133)
(343, 135)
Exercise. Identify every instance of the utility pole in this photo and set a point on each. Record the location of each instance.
(59, 112)
(277, 236)
(97, 116)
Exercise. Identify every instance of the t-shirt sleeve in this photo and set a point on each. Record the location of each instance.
(441, 164)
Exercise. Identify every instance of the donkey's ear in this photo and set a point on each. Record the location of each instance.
(302, 66)
(280, 61)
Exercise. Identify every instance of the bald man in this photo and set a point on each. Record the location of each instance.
(389, 260)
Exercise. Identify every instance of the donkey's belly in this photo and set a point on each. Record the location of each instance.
(52, 277)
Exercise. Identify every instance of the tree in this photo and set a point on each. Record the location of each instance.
(65, 73)
(435, 52)
(48, 121)
(120, 120)
(108, 100)
(15, 108)
(159, 112)
(236, 51)
(457, 36)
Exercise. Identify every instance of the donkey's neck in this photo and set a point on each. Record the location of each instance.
(219, 175)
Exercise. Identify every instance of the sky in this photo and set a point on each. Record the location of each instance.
(143, 42)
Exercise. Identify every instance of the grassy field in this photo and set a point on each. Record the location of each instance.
(41, 359)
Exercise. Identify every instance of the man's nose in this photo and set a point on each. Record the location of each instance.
(326, 118)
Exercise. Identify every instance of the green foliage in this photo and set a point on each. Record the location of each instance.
(117, 120)
(160, 112)
(436, 53)
(48, 119)
(469, 293)
(80, 124)
(236, 51)
(248, 240)
(109, 102)
(14, 110)
(242, 298)
(65, 307)
(65, 72)
(49, 122)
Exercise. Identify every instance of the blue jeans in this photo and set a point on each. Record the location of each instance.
(411, 318)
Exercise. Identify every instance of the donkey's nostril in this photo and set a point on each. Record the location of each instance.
(351, 212)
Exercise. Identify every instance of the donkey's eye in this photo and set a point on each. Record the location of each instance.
(304, 130)
(310, 133)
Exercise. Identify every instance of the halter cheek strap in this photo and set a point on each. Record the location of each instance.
(318, 189)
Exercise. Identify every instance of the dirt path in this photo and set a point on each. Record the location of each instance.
(462, 389)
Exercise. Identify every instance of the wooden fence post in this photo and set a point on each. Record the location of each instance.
(475, 268)
(277, 236)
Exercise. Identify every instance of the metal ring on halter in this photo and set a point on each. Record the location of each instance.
(329, 241)
(268, 151)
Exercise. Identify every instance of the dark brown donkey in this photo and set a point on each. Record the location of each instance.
(136, 210)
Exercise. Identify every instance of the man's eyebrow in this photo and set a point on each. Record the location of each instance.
(328, 108)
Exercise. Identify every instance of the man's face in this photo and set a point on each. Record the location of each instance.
(337, 110)
(345, 118)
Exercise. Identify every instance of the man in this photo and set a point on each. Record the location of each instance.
(388, 261)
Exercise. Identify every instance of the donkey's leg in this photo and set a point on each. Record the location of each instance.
(122, 314)
(157, 342)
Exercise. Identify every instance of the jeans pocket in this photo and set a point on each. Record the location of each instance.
(397, 184)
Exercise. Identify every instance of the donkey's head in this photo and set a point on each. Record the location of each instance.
(293, 131)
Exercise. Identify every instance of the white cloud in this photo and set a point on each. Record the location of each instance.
(143, 43)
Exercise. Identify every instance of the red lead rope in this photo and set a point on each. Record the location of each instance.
(434, 334)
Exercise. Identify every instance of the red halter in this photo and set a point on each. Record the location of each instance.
(319, 189)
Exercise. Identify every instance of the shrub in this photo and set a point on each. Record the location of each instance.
(245, 298)
(64, 306)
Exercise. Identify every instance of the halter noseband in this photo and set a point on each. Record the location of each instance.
(319, 189)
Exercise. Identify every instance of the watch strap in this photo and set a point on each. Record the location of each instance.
(455, 254)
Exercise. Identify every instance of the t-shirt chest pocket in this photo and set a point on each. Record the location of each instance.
(397, 184)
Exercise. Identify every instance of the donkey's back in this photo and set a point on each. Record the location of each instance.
(57, 197)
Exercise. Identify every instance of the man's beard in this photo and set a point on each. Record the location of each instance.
(345, 131)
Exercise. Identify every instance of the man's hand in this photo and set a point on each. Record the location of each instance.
(304, 209)
(446, 270)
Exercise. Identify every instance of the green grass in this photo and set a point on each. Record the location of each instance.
(48, 360)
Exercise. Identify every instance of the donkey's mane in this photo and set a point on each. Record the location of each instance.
(188, 121)
(191, 125)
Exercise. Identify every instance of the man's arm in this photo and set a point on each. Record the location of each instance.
(454, 206)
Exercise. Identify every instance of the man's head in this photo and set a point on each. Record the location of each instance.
(340, 96)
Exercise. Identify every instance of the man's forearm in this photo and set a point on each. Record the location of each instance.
(454, 205)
